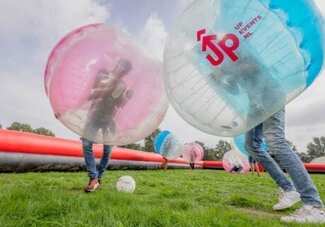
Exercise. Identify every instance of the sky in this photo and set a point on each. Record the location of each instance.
(30, 29)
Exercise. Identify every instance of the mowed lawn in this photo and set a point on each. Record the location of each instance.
(162, 198)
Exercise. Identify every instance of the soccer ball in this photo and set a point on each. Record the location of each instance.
(126, 184)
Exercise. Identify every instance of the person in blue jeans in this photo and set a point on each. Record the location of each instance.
(264, 92)
(273, 130)
(95, 174)
(108, 95)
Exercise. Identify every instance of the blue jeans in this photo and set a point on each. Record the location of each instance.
(90, 161)
(284, 158)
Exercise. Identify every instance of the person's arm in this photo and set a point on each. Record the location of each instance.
(102, 88)
(97, 93)
(250, 68)
(124, 97)
(226, 82)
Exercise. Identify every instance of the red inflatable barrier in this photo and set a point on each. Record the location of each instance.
(315, 167)
(14, 143)
(212, 165)
(311, 167)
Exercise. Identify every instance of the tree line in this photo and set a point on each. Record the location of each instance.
(315, 149)
(23, 127)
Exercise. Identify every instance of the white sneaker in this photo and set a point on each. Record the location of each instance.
(306, 214)
(287, 200)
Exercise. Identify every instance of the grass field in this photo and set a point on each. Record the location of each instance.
(162, 198)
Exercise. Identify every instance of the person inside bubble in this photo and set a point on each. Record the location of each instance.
(107, 95)
(265, 93)
(192, 155)
(192, 159)
(237, 167)
(249, 87)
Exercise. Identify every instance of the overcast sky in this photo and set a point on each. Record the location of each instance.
(29, 30)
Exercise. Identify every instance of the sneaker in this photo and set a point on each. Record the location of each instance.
(306, 214)
(287, 200)
(92, 186)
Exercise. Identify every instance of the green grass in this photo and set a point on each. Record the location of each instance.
(162, 198)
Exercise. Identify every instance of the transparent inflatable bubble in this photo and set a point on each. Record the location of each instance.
(234, 162)
(229, 65)
(193, 152)
(103, 87)
(167, 145)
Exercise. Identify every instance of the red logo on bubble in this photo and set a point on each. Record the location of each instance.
(224, 48)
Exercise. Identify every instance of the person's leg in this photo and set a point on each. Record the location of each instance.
(257, 168)
(89, 158)
(90, 129)
(111, 128)
(164, 164)
(254, 140)
(104, 161)
(90, 165)
(251, 164)
(274, 132)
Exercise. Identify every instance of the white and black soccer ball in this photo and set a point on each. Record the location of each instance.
(126, 184)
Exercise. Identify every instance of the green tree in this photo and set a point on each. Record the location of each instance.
(20, 127)
(148, 141)
(316, 148)
(221, 148)
(134, 146)
(209, 154)
(218, 151)
(43, 131)
(0, 126)
(304, 157)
